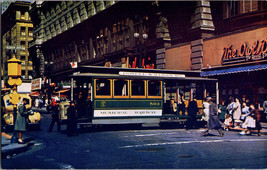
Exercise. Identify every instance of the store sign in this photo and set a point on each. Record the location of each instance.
(126, 113)
(257, 51)
(37, 84)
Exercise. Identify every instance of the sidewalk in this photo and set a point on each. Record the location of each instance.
(263, 130)
(9, 149)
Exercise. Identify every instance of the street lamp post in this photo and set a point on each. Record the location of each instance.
(14, 73)
(139, 39)
(47, 70)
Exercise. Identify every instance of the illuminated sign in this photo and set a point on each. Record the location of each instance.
(146, 63)
(256, 52)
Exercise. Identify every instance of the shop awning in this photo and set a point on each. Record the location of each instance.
(234, 70)
(35, 93)
(63, 91)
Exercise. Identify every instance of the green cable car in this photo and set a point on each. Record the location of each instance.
(106, 95)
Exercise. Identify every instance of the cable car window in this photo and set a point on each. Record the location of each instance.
(154, 88)
(138, 88)
(102, 87)
(120, 88)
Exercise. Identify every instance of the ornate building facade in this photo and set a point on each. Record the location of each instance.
(17, 30)
(117, 34)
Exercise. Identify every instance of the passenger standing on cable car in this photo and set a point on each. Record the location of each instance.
(80, 105)
(192, 113)
(72, 120)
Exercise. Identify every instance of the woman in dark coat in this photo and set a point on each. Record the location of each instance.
(214, 122)
(257, 116)
(72, 120)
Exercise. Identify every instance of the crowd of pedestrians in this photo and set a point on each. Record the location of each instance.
(235, 115)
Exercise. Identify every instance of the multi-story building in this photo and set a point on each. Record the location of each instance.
(17, 30)
(97, 33)
(180, 35)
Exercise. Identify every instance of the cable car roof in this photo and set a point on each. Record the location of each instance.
(130, 73)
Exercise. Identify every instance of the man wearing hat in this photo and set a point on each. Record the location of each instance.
(55, 117)
(214, 122)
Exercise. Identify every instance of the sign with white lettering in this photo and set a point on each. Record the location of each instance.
(122, 73)
(13, 47)
(37, 84)
(126, 113)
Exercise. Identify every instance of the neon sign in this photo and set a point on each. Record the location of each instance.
(256, 52)
(147, 65)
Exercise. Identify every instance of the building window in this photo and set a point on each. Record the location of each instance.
(248, 6)
(23, 44)
(23, 74)
(22, 31)
(23, 57)
(29, 74)
(234, 8)
(30, 29)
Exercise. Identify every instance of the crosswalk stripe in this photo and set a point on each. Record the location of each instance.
(189, 142)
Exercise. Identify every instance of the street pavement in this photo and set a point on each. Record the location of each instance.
(10, 149)
(140, 148)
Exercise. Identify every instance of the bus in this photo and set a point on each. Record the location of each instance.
(106, 95)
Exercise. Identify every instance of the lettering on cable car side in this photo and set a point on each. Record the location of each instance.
(124, 73)
(128, 113)
(154, 103)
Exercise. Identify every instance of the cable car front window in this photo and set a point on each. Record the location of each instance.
(102, 87)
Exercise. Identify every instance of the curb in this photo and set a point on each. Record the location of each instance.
(9, 149)
(12, 149)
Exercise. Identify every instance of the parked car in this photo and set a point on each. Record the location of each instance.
(33, 119)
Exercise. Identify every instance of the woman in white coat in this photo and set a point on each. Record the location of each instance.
(206, 111)
(237, 111)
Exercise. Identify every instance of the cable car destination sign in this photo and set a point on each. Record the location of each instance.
(123, 73)
(245, 53)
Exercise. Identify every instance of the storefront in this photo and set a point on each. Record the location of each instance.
(239, 62)
(237, 59)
